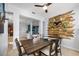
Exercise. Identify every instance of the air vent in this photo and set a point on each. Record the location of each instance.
(33, 12)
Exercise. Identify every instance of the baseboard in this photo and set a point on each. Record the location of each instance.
(69, 47)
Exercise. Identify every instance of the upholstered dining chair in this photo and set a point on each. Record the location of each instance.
(50, 50)
(59, 47)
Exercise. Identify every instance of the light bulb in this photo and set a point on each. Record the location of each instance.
(45, 7)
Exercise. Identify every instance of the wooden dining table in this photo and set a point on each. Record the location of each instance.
(31, 47)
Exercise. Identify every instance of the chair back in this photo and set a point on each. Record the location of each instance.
(18, 47)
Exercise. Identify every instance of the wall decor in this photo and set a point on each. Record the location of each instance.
(61, 25)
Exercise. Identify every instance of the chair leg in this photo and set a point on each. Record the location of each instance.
(56, 46)
(60, 49)
(60, 53)
(34, 54)
(20, 54)
(39, 53)
(50, 51)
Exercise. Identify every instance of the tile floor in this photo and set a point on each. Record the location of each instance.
(65, 52)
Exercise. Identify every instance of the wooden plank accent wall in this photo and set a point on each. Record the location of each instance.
(61, 25)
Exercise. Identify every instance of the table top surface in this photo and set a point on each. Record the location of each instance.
(30, 46)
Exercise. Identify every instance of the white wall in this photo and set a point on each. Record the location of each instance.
(24, 22)
(41, 28)
(45, 27)
(1, 50)
(74, 42)
(4, 39)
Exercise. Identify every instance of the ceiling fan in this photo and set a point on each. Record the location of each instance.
(44, 6)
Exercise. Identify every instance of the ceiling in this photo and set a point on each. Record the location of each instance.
(31, 7)
(59, 8)
(53, 9)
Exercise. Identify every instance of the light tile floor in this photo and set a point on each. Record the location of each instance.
(65, 52)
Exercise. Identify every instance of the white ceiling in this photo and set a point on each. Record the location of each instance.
(31, 7)
(53, 9)
(59, 8)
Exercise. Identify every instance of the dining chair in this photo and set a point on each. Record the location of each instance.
(21, 51)
(48, 51)
(51, 50)
(19, 48)
(59, 47)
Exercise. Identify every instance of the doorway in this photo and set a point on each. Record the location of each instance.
(9, 17)
(28, 27)
(10, 36)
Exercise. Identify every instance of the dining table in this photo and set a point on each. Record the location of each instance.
(31, 46)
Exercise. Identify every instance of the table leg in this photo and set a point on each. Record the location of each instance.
(56, 45)
(39, 53)
(50, 49)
